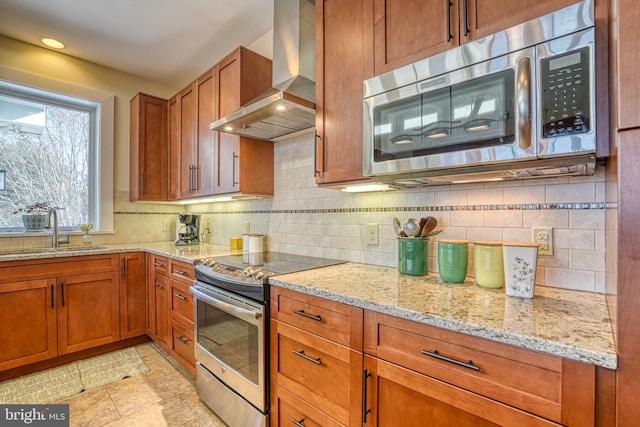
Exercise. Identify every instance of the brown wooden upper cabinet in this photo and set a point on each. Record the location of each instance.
(341, 67)
(628, 81)
(148, 148)
(242, 165)
(405, 31)
(206, 162)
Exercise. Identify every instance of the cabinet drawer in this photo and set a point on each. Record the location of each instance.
(158, 264)
(33, 269)
(322, 373)
(546, 385)
(286, 408)
(181, 271)
(337, 322)
(397, 396)
(182, 346)
(181, 304)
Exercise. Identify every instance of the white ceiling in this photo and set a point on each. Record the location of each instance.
(168, 41)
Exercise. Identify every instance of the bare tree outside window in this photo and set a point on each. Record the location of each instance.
(51, 166)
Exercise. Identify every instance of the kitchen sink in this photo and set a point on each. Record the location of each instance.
(50, 250)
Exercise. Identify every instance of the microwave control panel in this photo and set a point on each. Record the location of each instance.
(566, 95)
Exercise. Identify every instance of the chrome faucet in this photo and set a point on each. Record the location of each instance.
(55, 240)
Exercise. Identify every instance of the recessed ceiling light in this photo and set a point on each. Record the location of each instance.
(52, 43)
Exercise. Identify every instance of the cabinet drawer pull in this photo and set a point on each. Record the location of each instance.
(437, 355)
(307, 315)
(182, 297)
(158, 286)
(182, 339)
(465, 16)
(157, 264)
(180, 272)
(365, 376)
(298, 423)
(449, 35)
(304, 356)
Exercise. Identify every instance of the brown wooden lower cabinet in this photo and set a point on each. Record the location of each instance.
(158, 289)
(88, 312)
(397, 396)
(288, 410)
(170, 308)
(182, 346)
(75, 309)
(133, 295)
(28, 322)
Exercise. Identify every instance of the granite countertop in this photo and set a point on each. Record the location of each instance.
(182, 253)
(571, 324)
(565, 323)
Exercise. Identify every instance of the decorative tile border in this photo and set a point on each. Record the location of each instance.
(528, 206)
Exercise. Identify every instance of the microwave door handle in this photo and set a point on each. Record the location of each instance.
(248, 315)
(523, 97)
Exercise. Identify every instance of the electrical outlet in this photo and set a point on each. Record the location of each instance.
(246, 228)
(166, 225)
(208, 224)
(543, 236)
(372, 234)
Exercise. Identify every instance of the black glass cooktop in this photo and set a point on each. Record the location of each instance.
(275, 262)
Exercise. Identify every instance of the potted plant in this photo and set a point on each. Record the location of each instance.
(34, 216)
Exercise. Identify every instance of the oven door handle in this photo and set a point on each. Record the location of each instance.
(242, 313)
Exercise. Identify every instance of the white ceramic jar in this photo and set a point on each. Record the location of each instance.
(520, 261)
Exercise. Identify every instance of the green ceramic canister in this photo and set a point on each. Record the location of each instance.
(413, 256)
(453, 258)
(488, 263)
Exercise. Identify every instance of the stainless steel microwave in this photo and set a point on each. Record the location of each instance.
(517, 104)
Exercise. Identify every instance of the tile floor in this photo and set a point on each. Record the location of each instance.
(163, 396)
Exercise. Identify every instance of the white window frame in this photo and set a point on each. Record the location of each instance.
(101, 179)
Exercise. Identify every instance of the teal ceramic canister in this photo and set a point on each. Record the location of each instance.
(413, 255)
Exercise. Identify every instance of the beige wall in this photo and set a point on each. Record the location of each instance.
(28, 63)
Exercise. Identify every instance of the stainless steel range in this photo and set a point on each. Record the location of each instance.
(231, 323)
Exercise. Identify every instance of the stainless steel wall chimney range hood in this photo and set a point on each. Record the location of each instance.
(289, 106)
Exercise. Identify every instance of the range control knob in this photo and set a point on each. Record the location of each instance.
(250, 271)
(211, 262)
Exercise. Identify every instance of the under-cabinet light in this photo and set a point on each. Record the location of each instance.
(206, 200)
(367, 188)
(281, 107)
(228, 128)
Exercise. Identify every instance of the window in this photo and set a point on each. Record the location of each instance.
(49, 148)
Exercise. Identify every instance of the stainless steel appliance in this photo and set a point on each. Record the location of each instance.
(517, 104)
(231, 295)
(288, 108)
(187, 229)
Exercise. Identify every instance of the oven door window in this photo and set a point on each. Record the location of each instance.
(473, 114)
(229, 339)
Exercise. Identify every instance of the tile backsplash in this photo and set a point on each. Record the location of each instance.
(304, 219)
